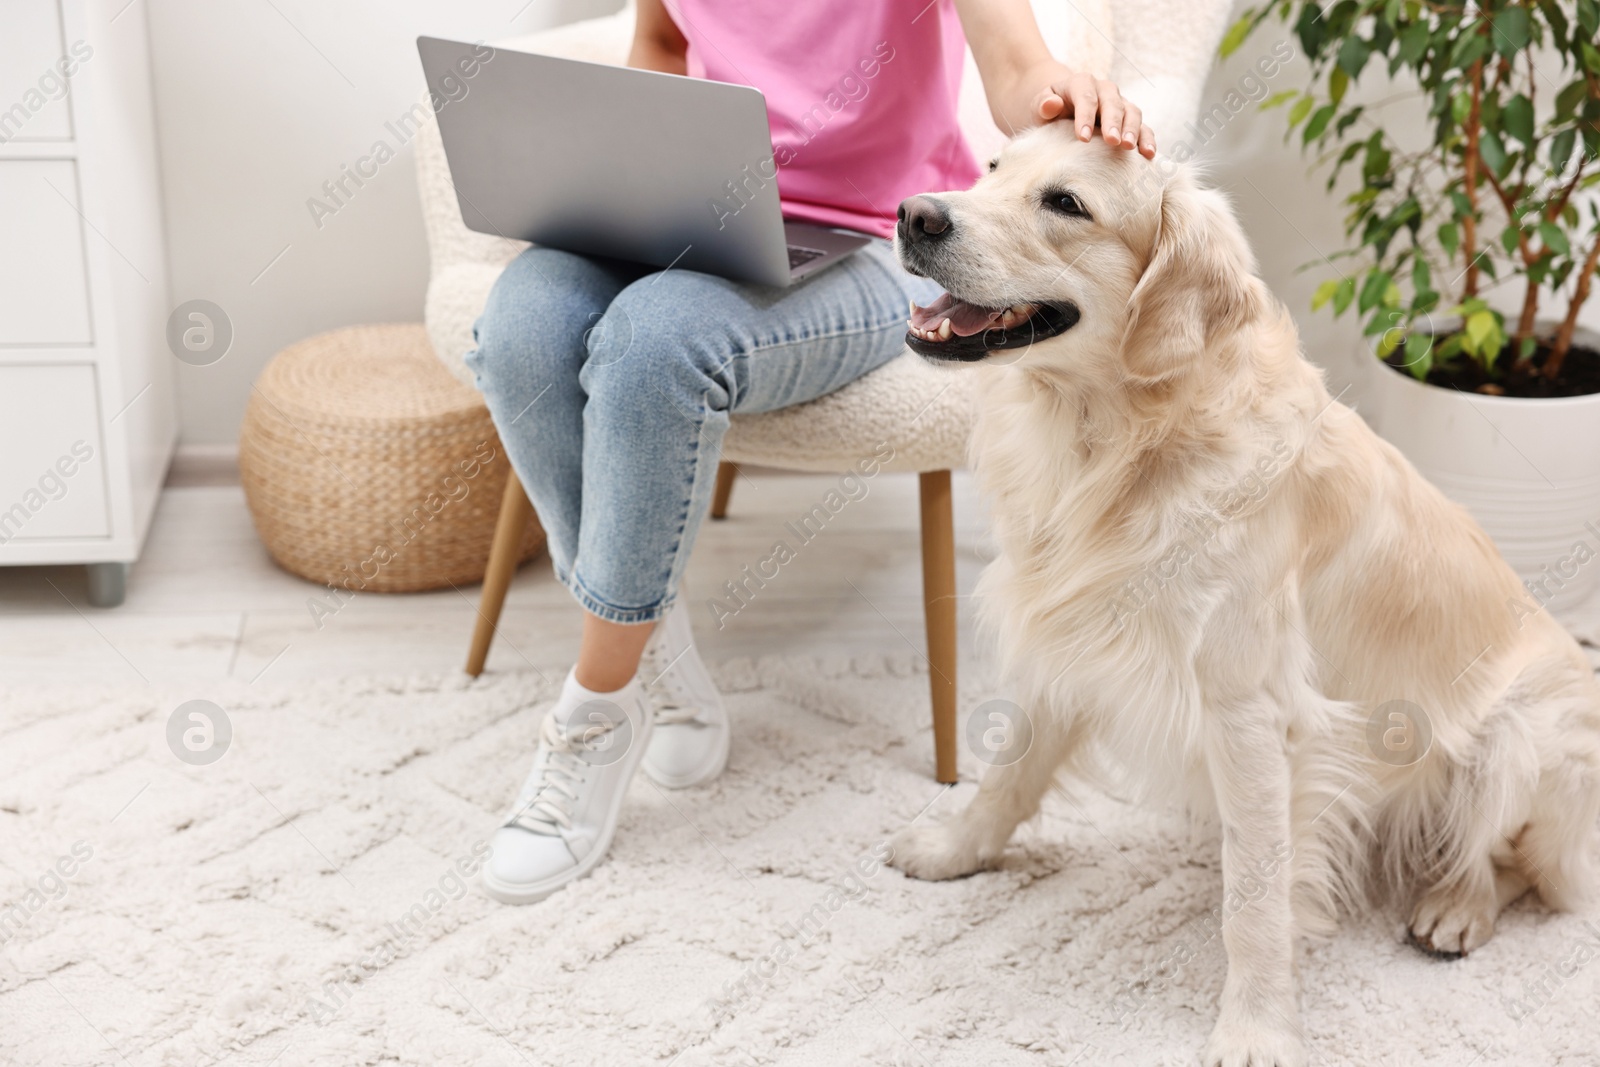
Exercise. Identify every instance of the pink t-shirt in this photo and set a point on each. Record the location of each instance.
(861, 97)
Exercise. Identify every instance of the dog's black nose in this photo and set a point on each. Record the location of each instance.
(922, 218)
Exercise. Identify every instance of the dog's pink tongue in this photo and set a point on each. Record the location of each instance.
(965, 319)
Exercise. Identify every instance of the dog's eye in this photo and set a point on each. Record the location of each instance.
(993, 163)
(1066, 204)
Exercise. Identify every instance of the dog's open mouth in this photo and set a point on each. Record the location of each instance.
(954, 329)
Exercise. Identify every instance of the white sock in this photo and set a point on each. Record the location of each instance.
(575, 694)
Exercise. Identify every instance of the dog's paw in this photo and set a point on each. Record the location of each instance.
(1243, 1040)
(936, 851)
(1450, 922)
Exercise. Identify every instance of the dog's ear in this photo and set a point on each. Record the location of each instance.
(1198, 285)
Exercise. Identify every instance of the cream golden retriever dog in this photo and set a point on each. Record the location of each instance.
(1213, 576)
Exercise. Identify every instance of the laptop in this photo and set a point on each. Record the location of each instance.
(611, 161)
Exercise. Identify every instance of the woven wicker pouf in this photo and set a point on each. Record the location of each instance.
(367, 466)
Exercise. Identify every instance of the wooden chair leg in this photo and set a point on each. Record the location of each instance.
(515, 511)
(726, 473)
(939, 613)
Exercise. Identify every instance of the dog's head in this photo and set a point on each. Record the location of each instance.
(1071, 255)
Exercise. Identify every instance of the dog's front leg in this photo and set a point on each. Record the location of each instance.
(1009, 795)
(1259, 1024)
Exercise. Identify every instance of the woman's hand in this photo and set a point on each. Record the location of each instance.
(1027, 87)
(1051, 91)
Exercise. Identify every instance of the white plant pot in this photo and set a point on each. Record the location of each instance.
(1527, 470)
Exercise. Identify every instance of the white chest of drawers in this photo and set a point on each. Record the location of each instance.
(87, 409)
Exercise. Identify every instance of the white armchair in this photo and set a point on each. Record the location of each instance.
(1159, 51)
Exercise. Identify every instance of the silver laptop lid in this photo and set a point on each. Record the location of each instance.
(610, 161)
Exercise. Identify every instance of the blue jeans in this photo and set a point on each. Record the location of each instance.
(611, 385)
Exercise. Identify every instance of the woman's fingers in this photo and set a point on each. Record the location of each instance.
(1085, 102)
(1049, 106)
(1082, 98)
(1132, 124)
(1111, 111)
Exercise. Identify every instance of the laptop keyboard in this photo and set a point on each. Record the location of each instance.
(799, 255)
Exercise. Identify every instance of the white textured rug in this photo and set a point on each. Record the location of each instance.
(297, 902)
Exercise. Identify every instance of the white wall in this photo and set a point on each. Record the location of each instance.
(258, 103)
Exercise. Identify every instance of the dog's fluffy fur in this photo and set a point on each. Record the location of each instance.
(1212, 573)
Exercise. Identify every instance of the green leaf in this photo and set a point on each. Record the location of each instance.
(1324, 293)
(1449, 239)
(1236, 35)
(1278, 99)
(1421, 276)
(1311, 28)
(1338, 82)
(1561, 149)
(1390, 341)
(1554, 238)
(1343, 295)
(1376, 165)
(1373, 289)
(1419, 354)
(1492, 151)
(1461, 107)
(1482, 328)
(1589, 16)
(1408, 213)
(1517, 117)
(1557, 19)
(1378, 322)
(1511, 32)
(1470, 47)
(1300, 110)
(1349, 153)
(1568, 99)
(1353, 55)
(1510, 239)
(1349, 118)
(1318, 123)
(1414, 42)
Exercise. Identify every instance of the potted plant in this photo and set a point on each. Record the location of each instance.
(1473, 247)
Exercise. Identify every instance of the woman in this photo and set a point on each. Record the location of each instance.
(612, 383)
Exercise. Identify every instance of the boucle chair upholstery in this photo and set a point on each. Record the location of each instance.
(1159, 50)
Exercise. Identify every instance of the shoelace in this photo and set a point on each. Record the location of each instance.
(548, 808)
(671, 708)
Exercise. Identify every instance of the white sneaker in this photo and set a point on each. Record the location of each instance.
(589, 746)
(690, 745)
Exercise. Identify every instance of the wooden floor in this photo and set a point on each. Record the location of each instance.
(207, 602)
